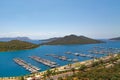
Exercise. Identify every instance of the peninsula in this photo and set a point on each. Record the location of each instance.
(16, 45)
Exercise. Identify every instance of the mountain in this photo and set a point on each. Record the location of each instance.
(48, 40)
(6, 39)
(73, 39)
(15, 38)
(117, 38)
(16, 45)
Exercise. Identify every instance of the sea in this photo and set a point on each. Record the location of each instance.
(8, 68)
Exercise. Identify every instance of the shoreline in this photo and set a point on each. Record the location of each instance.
(61, 68)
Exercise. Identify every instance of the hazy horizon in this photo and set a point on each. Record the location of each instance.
(55, 37)
(38, 19)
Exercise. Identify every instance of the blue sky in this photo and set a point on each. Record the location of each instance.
(40, 19)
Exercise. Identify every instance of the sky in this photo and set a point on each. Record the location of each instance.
(41, 19)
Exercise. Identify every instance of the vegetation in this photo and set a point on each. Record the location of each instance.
(72, 39)
(95, 73)
(98, 74)
(16, 45)
(98, 71)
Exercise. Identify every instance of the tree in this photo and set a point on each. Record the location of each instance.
(83, 67)
(54, 71)
(69, 65)
(22, 78)
(60, 78)
(48, 73)
(95, 64)
(73, 70)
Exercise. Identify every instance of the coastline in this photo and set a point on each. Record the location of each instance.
(62, 68)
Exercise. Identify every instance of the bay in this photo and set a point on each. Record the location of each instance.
(9, 68)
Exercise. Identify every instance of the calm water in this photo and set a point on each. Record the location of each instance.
(9, 68)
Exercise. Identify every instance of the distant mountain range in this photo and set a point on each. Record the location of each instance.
(6, 39)
(15, 38)
(117, 38)
(72, 39)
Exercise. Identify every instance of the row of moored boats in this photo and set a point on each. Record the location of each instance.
(44, 61)
(27, 66)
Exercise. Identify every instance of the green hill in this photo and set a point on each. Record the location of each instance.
(73, 39)
(16, 45)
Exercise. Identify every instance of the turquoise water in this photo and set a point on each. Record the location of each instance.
(9, 68)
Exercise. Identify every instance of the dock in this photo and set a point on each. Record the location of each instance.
(27, 66)
(84, 55)
(68, 52)
(87, 55)
(44, 61)
(64, 58)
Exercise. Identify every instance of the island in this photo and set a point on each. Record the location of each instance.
(117, 38)
(16, 45)
(72, 39)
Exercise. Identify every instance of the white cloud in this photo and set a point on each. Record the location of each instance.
(37, 35)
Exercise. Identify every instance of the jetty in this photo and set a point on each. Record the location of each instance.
(84, 55)
(87, 55)
(27, 66)
(64, 58)
(44, 61)
(102, 50)
(68, 52)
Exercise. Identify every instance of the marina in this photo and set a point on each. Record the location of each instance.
(59, 39)
(104, 51)
(63, 58)
(84, 55)
(27, 66)
(61, 54)
(44, 61)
